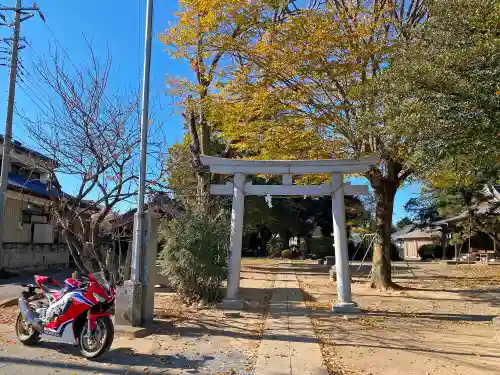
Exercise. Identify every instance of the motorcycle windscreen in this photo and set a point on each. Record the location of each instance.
(99, 277)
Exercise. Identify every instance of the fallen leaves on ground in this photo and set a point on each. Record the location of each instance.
(441, 301)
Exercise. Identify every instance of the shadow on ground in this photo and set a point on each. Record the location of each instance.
(122, 357)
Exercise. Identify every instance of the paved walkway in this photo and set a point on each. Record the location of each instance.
(289, 345)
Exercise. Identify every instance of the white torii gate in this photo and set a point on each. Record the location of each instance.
(288, 168)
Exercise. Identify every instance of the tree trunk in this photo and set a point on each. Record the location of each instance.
(496, 243)
(199, 147)
(204, 134)
(381, 264)
(285, 236)
(444, 245)
(74, 251)
(128, 262)
(203, 189)
(112, 265)
(205, 148)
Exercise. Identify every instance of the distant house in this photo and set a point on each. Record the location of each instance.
(413, 240)
(410, 238)
(396, 236)
(488, 206)
(30, 240)
(121, 226)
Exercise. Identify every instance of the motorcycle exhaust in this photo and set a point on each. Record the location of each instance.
(29, 315)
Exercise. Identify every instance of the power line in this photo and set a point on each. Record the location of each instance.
(8, 14)
(35, 85)
(35, 81)
(25, 88)
(74, 65)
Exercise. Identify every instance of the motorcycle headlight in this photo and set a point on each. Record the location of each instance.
(99, 298)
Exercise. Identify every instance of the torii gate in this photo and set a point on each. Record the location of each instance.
(288, 168)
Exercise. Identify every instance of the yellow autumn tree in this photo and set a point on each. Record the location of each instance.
(203, 32)
(313, 83)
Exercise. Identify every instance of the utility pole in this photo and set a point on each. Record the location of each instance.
(7, 137)
(138, 247)
(135, 300)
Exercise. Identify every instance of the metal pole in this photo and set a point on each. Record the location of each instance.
(138, 247)
(7, 137)
(366, 252)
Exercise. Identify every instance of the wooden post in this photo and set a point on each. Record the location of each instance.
(444, 245)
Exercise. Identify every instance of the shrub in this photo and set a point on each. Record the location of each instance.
(430, 251)
(395, 253)
(274, 247)
(303, 248)
(290, 254)
(194, 257)
(275, 254)
(322, 246)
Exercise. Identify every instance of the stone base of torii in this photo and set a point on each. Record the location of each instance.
(288, 168)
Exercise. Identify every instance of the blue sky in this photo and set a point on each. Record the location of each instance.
(119, 27)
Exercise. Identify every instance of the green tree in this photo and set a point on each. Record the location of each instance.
(181, 178)
(424, 209)
(473, 210)
(453, 74)
(403, 222)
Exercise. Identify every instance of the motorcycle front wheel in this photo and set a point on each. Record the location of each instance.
(25, 332)
(94, 344)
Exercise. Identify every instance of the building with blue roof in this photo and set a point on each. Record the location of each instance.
(30, 239)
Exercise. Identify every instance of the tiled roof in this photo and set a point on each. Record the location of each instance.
(18, 146)
(491, 206)
(406, 229)
(420, 233)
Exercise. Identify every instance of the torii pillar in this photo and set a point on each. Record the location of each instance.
(236, 238)
(336, 189)
(344, 297)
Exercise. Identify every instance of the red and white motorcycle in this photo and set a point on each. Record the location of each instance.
(78, 312)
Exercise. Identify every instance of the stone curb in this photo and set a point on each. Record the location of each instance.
(133, 332)
(9, 302)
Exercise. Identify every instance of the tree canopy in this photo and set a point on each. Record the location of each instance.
(453, 73)
(309, 84)
(414, 82)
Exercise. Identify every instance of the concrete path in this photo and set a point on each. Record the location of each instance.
(289, 345)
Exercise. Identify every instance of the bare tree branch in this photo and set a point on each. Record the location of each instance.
(94, 139)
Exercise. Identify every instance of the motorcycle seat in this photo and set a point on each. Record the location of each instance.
(50, 285)
(51, 288)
